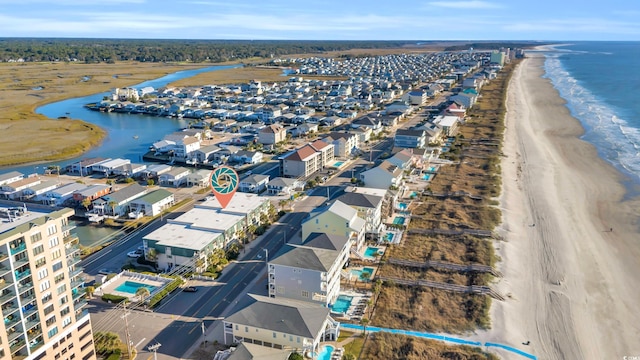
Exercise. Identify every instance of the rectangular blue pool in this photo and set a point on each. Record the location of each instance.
(337, 164)
(388, 237)
(426, 177)
(130, 287)
(359, 272)
(342, 304)
(371, 252)
(398, 220)
(402, 206)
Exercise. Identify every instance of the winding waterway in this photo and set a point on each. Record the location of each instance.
(128, 135)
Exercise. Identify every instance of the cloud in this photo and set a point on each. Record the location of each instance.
(472, 4)
(583, 26)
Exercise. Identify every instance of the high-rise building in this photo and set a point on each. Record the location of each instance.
(42, 299)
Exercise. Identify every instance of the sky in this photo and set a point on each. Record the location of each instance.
(556, 20)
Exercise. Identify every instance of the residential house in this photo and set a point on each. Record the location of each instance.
(159, 169)
(410, 138)
(200, 178)
(300, 163)
(106, 167)
(206, 154)
(84, 166)
(174, 177)
(363, 134)
(369, 208)
(402, 159)
(91, 192)
(372, 123)
(309, 271)
(58, 196)
(247, 157)
(281, 324)
(448, 124)
(247, 351)
(186, 147)
(466, 99)
(153, 203)
(255, 183)
(416, 97)
(10, 177)
(336, 218)
(282, 185)
(117, 202)
(326, 152)
(14, 190)
(383, 176)
(129, 170)
(272, 134)
(37, 192)
(344, 143)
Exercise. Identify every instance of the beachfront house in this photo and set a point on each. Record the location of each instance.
(369, 208)
(384, 176)
(309, 271)
(300, 163)
(448, 124)
(410, 138)
(281, 324)
(336, 218)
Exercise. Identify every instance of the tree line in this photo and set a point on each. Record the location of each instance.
(112, 50)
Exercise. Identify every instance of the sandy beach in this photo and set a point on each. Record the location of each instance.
(571, 255)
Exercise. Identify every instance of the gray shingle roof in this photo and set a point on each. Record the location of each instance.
(360, 200)
(298, 318)
(325, 241)
(305, 258)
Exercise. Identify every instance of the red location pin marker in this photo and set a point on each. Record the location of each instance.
(224, 183)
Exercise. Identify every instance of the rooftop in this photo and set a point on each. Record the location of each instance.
(207, 219)
(241, 203)
(181, 236)
(15, 218)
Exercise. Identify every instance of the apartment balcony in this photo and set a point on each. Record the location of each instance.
(3, 256)
(80, 304)
(30, 325)
(17, 345)
(29, 310)
(82, 314)
(7, 297)
(36, 343)
(15, 334)
(70, 226)
(20, 262)
(73, 260)
(25, 286)
(71, 239)
(77, 294)
(76, 271)
(76, 283)
(10, 309)
(5, 284)
(18, 249)
(4, 270)
(70, 250)
(27, 299)
(22, 275)
(11, 320)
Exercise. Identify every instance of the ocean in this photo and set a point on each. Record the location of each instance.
(601, 83)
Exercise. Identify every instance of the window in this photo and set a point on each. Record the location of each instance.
(89, 355)
(86, 345)
(46, 297)
(48, 309)
(63, 300)
(246, 329)
(55, 346)
(66, 322)
(298, 339)
(43, 274)
(84, 336)
(44, 285)
(40, 262)
(305, 293)
(57, 266)
(274, 335)
(59, 278)
(50, 321)
(64, 351)
(62, 288)
(36, 237)
(38, 249)
(53, 332)
(56, 254)
(53, 242)
(52, 229)
(64, 311)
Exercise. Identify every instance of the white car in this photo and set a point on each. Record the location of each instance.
(135, 254)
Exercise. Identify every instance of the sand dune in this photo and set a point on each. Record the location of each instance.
(573, 283)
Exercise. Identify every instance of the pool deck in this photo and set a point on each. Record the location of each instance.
(358, 304)
(109, 287)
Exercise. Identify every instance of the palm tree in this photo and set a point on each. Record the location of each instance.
(142, 293)
(364, 321)
(86, 202)
(106, 342)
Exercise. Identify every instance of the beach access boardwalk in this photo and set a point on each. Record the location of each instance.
(426, 335)
(476, 232)
(473, 289)
(446, 265)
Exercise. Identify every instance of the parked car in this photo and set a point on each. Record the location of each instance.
(135, 254)
(190, 289)
(105, 272)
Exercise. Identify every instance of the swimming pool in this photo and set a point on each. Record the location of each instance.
(342, 304)
(426, 177)
(445, 149)
(130, 287)
(359, 272)
(402, 206)
(388, 237)
(432, 169)
(325, 353)
(338, 164)
(398, 220)
(413, 194)
(371, 252)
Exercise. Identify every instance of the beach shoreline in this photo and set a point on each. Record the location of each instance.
(570, 255)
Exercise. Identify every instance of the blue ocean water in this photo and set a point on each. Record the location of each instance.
(601, 83)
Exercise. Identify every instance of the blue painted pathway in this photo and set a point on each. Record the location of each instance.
(431, 336)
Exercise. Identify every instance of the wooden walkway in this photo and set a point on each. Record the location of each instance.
(447, 266)
(453, 194)
(473, 289)
(476, 232)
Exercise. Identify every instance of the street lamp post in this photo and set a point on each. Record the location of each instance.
(266, 255)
